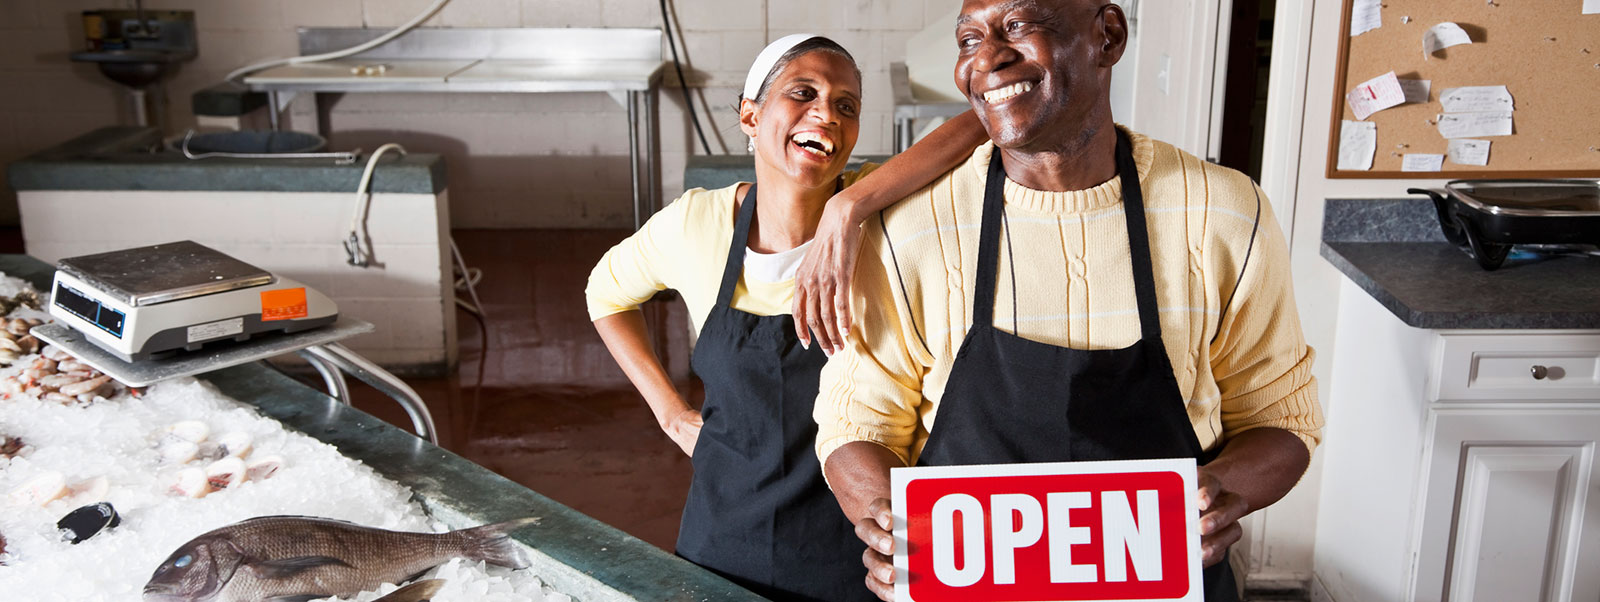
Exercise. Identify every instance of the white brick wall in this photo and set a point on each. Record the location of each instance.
(515, 161)
(297, 235)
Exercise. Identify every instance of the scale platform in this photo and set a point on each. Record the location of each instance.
(320, 347)
(167, 272)
(147, 372)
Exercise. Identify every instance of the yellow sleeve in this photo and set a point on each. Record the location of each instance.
(851, 176)
(635, 270)
(872, 389)
(1260, 359)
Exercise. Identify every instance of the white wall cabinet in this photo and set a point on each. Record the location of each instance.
(1459, 465)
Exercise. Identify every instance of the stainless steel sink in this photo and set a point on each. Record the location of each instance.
(135, 68)
(138, 49)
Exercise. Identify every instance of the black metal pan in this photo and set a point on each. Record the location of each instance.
(1488, 216)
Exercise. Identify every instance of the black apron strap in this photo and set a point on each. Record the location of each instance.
(1144, 282)
(741, 238)
(994, 199)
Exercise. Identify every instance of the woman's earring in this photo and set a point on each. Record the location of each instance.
(752, 145)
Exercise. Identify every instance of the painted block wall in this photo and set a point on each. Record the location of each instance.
(409, 297)
(515, 161)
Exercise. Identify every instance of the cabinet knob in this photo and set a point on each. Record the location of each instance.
(1539, 372)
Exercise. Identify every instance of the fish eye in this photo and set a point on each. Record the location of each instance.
(183, 561)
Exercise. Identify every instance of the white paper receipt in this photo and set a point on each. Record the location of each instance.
(1476, 99)
(1375, 95)
(1474, 125)
(1591, 7)
(1416, 90)
(1465, 151)
(1442, 36)
(1365, 16)
(1358, 141)
(221, 328)
(1422, 162)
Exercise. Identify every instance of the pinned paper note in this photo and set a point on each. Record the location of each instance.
(1422, 162)
(1416, 90)
(1475, 99)
(1358, 142)
(1464, 151)
(1473, 125)
(1365, 16)
(1375, 95)
(1442, 36)
(1591, 7)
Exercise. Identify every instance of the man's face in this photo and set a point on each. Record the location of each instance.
(1036, 71)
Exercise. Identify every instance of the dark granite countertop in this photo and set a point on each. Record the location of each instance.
(572, 552)
(1394, 250)
(119, 158)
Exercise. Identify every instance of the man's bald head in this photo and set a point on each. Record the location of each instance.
(1038, 72)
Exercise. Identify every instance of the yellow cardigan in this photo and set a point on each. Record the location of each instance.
(1239, 364)
(684, 247)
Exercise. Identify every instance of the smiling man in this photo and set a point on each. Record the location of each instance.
(1074, 291)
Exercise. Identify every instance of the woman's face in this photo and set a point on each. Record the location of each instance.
(810, 120)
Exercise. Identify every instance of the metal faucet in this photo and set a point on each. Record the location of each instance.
(141, 24)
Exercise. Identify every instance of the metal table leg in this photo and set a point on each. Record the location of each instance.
(633, 157)
(273, 116)
(331, 376)
(652, 152)
(370, 373)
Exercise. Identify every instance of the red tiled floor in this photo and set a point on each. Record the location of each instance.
(555, 413)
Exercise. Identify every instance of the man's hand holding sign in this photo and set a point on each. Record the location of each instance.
(1118, 530)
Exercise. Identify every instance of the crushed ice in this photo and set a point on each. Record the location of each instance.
(117, 439)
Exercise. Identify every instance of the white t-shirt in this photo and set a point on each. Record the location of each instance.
(774, 267)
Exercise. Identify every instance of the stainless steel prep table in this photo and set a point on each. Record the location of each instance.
(623, 63)
(575, 554)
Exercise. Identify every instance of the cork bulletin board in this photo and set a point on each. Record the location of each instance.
(1545, 52)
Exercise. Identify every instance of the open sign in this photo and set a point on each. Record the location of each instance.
(1123, 530)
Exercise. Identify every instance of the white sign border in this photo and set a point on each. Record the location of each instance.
(1186, 468)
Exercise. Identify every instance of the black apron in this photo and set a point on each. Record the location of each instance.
(759, 512)
(1012, 400)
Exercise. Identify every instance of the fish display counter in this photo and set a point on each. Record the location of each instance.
(573, 556)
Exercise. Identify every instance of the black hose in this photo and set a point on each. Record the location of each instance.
(682, 83)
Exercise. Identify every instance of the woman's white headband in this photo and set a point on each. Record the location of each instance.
(768, 59)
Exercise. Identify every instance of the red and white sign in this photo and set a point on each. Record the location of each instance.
(1068, 531)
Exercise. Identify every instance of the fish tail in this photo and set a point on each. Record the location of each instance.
(493, 543)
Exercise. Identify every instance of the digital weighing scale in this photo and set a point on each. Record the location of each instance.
(151, 301)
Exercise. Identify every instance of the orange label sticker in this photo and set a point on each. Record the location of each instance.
(283, 304)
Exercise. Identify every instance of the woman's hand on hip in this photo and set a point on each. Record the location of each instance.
(822, 286)
(684, 428)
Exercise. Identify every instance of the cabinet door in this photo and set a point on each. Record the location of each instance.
(1510, 509)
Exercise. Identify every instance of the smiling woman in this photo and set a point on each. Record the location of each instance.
(759, 511)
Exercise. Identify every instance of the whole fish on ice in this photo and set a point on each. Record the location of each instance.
(297, 558)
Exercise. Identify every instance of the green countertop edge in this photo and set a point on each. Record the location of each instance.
(720, 171)
(110, 159)
(575, 554)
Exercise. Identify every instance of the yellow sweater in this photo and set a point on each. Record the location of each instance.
(684, 247)
(1240, 365)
